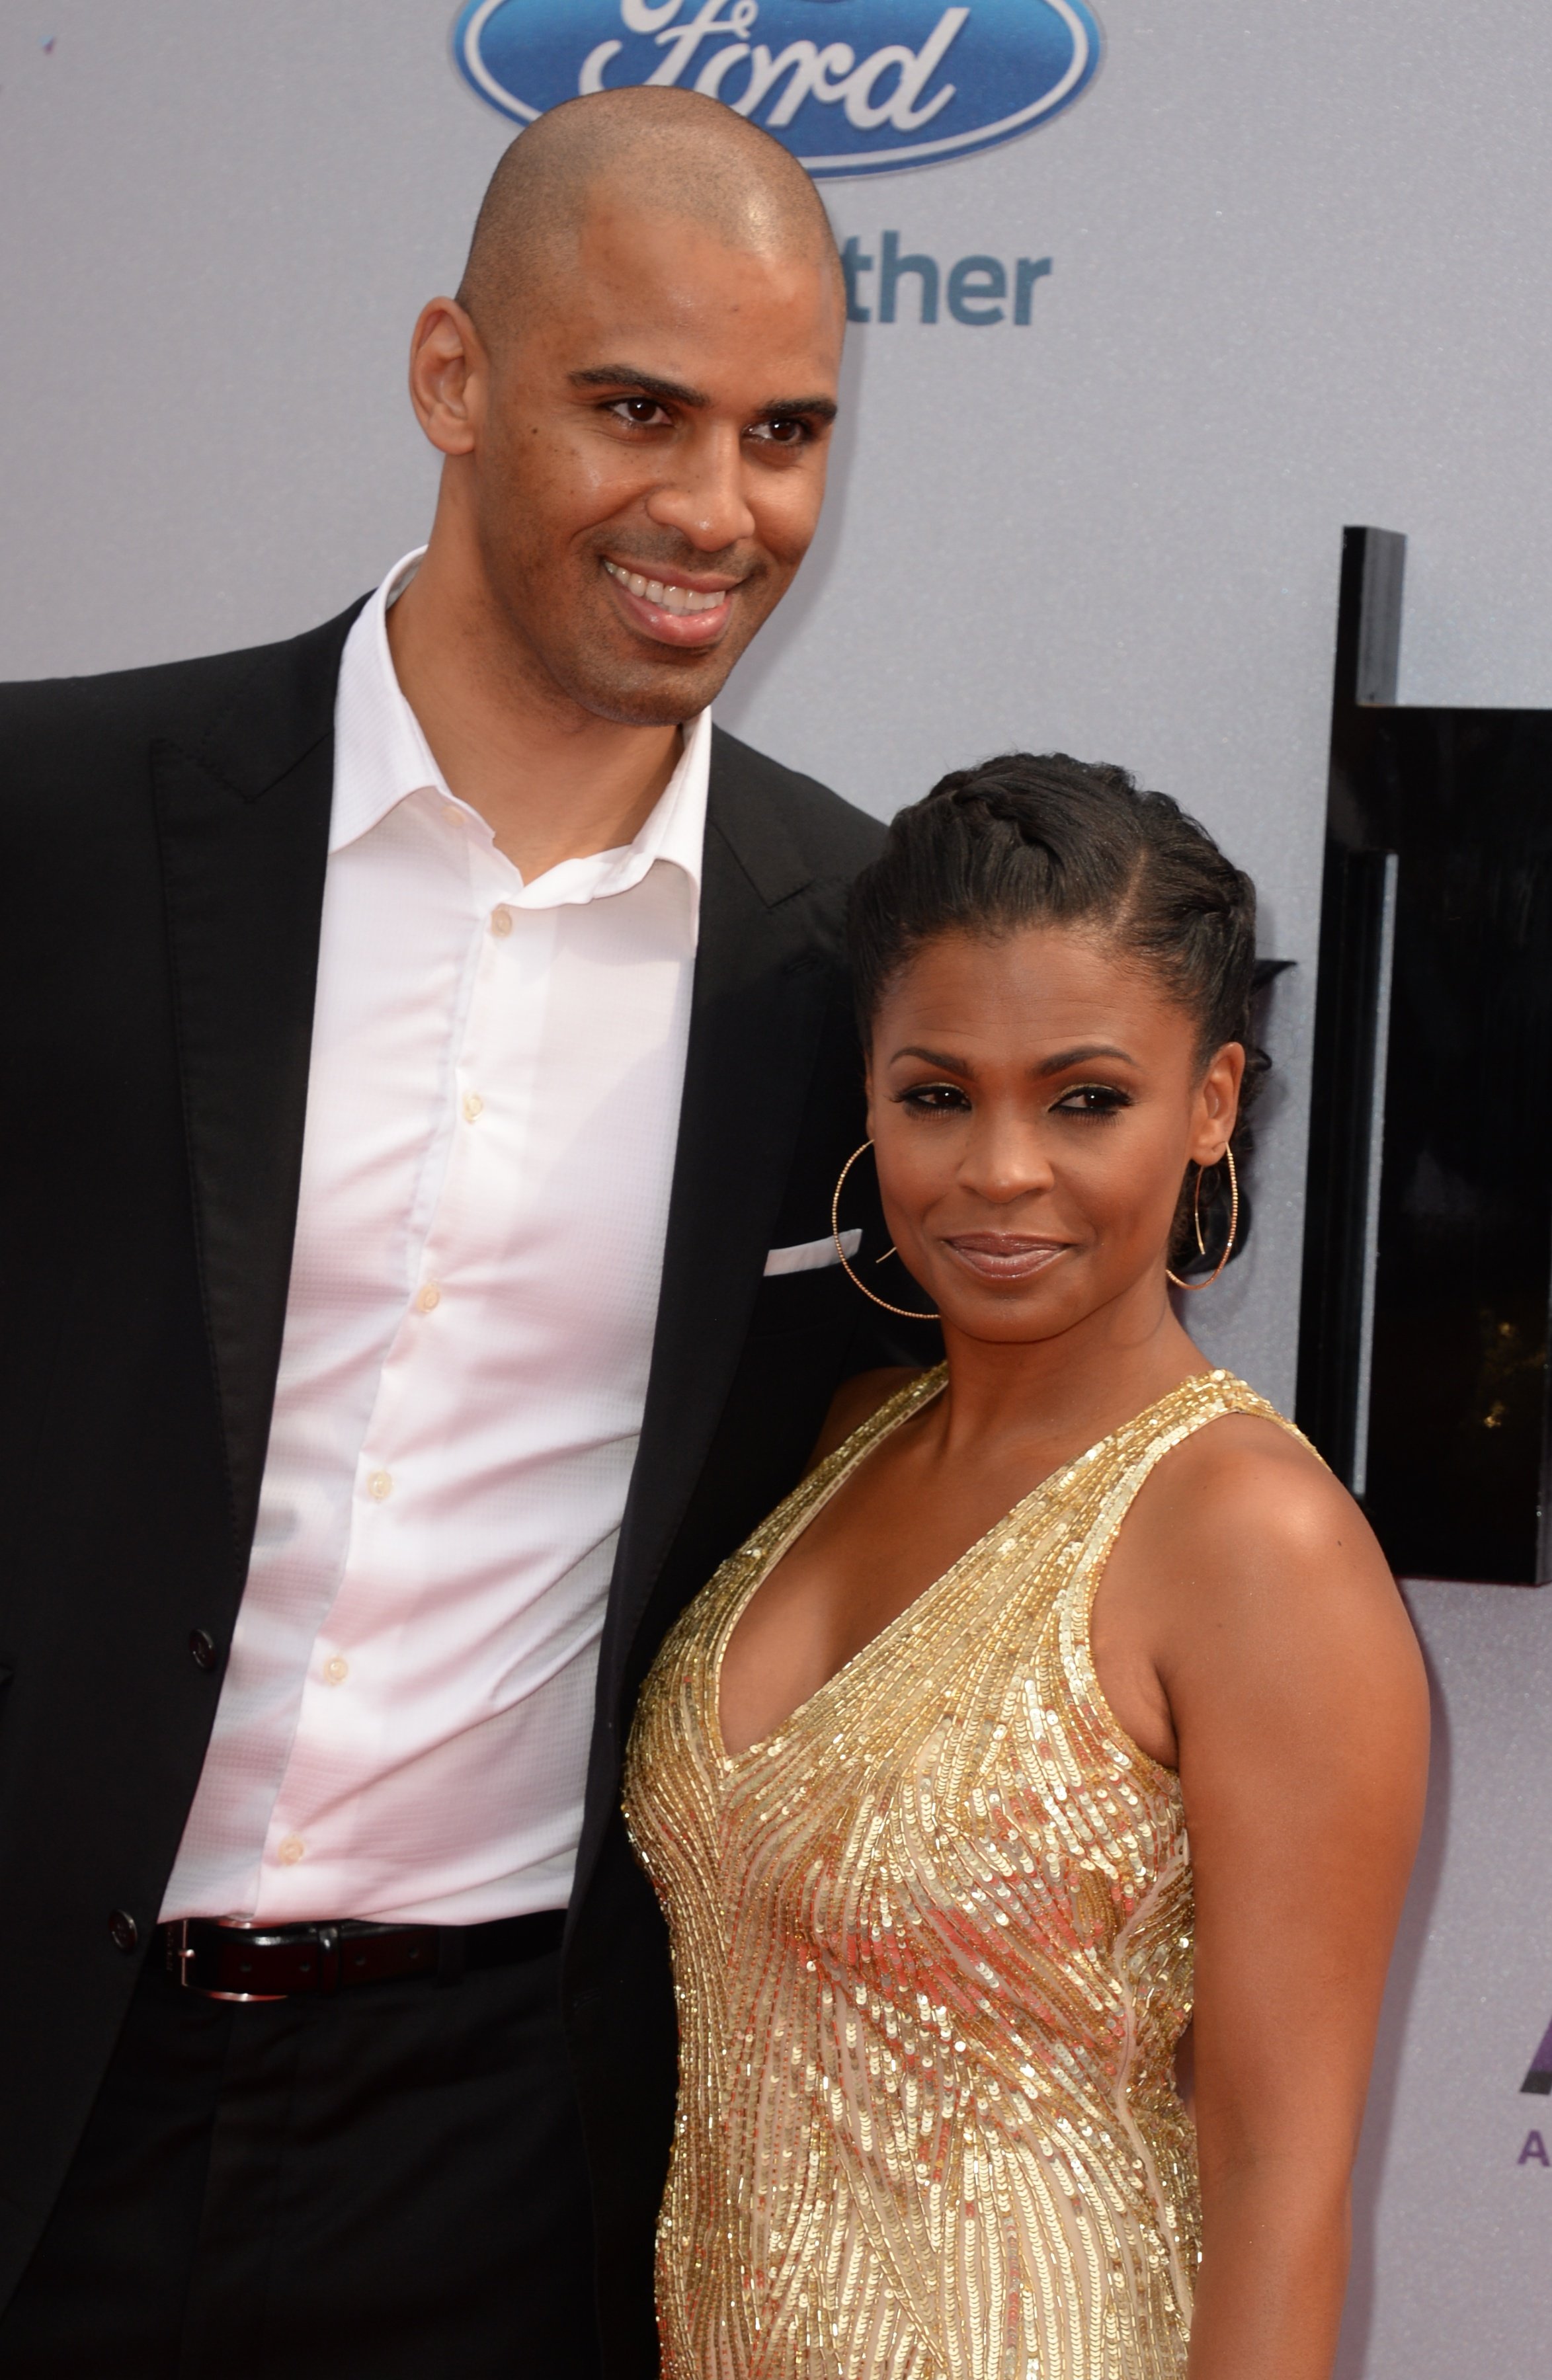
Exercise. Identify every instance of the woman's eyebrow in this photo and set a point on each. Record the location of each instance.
(1080, 1057)
(932, 1058)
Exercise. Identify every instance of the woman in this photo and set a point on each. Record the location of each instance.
(1066, 1709)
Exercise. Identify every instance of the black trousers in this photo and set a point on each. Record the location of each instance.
(384, 2185)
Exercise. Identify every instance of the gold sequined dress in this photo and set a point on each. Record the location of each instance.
(932, 1955)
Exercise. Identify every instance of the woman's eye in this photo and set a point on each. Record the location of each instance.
(936, 1099)
(1093, 1099)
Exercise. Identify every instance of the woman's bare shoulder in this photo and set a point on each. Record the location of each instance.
(855, 1401)
(1244, 1504)
(1250, 1470)
(1248, 1583)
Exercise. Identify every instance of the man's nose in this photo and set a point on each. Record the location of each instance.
(702, 492)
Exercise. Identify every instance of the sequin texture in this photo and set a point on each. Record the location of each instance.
(933, 1956)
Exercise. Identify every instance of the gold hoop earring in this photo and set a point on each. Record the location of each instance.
(910, 1312)
(1192, 1286)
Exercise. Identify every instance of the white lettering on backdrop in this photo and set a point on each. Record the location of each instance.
(834, 75)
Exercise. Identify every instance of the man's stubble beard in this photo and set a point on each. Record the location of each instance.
(656, 697)
(627, 694)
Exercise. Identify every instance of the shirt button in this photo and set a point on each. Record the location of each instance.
(453, 815)
(501, 920)
(473, 1105)
(337, 1669)
(429, 1298)
(291, 1849)
(380, 1484)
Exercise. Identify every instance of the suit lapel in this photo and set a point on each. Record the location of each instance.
(761, 997)
(243, 819)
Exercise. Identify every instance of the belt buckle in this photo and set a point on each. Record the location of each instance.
(179, 1954)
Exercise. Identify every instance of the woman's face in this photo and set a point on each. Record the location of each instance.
(1034, 1100)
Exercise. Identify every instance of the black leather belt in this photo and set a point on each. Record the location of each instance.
(233, 1959)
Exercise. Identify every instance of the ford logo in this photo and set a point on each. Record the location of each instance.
(849, 86)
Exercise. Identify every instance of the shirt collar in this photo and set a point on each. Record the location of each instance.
(382, 759)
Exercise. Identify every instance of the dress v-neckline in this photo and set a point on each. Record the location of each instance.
(912, 1404)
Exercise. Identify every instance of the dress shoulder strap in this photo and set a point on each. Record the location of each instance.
(1120, 1465)
(794, 1513)
(1125, 1460)
(1122, 1461)
(865, 1436)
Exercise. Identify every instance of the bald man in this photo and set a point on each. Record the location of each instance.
(428, 1060)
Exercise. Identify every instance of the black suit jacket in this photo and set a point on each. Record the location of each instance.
(163, 843)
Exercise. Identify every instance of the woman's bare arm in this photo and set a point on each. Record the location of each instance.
(1295, 1694)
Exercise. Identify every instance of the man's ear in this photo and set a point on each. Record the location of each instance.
(449, 373)
(1218, 1103)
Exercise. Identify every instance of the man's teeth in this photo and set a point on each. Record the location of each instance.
(663, 591)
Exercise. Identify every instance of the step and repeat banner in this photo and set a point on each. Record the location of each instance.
(1146, 302)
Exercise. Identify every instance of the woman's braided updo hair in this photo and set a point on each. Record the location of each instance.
(1030, 839)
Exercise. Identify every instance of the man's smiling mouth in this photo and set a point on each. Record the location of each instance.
(667, 592)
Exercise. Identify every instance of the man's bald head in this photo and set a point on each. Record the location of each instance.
(633, 392)
(664, 152)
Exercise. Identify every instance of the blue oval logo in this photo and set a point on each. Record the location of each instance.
(849, 86)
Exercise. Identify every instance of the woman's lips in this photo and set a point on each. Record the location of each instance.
(1004, 1256)
(667, 622)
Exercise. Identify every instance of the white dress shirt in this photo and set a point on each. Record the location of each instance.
(492, 1116)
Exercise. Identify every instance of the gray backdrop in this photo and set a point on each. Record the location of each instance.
(1298, 279)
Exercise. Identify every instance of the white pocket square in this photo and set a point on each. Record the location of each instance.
(813, 1254)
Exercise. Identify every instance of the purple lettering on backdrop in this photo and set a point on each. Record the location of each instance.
(1539, 2079)
(1533, 2152)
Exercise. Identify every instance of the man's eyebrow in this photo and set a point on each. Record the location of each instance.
(672, 392)
(627, 376)
(1081, 1056)
(819, 409)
